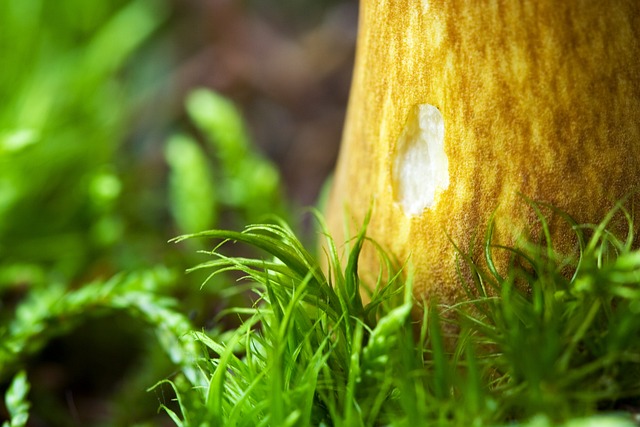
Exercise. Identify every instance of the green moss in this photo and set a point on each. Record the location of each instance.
(555, 340)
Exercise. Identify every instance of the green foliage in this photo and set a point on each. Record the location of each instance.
(79, 199)
(67, 98)
(64, 113)
(594, 421)
(248, 184)
(16, 401)
(54, 311)
(240, 180)
(304, 365)
(563, 327)
(192, 192)
(552, 340)
(71, 197)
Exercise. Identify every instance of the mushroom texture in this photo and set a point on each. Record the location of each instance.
(458, 108)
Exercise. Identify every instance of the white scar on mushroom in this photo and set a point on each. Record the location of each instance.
(420, 167)
(425, 6)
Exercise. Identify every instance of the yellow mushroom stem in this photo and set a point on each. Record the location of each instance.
(460, 107)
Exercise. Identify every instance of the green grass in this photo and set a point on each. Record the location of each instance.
(552, 340)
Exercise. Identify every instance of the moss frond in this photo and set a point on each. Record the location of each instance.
(561, 347)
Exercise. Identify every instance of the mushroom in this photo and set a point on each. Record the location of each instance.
(458, 108)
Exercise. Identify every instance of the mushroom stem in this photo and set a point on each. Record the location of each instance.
(535, 98)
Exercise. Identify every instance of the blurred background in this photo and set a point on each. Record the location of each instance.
(109, 146)
(287, 63)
